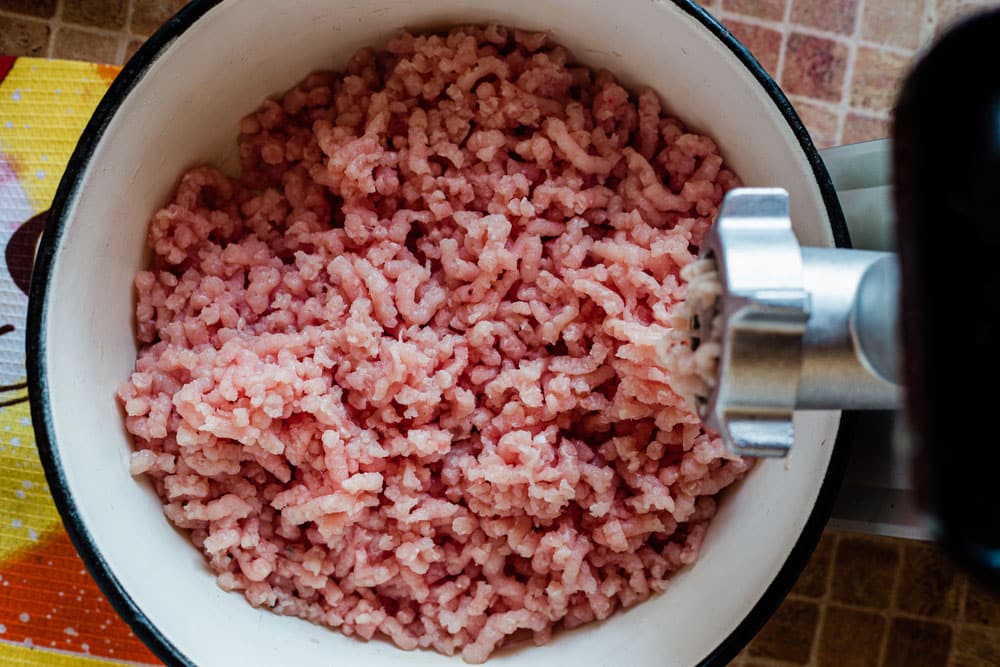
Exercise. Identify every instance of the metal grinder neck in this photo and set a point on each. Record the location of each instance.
(799, 328)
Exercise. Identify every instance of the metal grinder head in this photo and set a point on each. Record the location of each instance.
(786, 327)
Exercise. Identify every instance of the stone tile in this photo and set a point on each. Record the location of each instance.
(788, 636)
(850, 638)
(864, 569)
(832, 15)
(814, 67)
(109, 14)
(148, 15)
(929, 584)
(131, 48)
(763, 43)
(877, 77)
(864, 128)
(773, 10)
(813, 581)
(23, 37)
(73, 44)
(893, 22)
(45, 9)
(982, 607)
(950, 11)
(914, 643)
(976, 647)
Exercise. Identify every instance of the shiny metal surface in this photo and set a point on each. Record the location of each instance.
(878, 494)
(849, 350)
(763, 313)
(800, 328)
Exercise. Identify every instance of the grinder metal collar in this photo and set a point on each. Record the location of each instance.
(799, 328)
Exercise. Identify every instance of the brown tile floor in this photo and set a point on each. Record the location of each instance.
(879, 602)
(839, 60)
(97, 30)
(862, 601)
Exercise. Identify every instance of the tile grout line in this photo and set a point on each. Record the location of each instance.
(888, 612)
(811, 31)
(834, 107)
(55, 24)
(853, 42)
(30, 18)
(895, 613)
(824, 600)
(24, 17)
(928, 23)
(770, 662)
(959, 621)
(852, 55)
(89, 29)
(891, 612)
(124, 36)
(896, 580)
(779, 68)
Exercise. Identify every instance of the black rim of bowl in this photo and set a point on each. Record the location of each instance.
(41, 416)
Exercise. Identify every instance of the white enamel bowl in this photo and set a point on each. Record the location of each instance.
(177, 103)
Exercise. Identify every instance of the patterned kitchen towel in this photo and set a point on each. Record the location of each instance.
(51, 611)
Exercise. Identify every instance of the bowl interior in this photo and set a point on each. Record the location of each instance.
(183, 110)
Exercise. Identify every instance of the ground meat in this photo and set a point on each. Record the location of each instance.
(400, 377)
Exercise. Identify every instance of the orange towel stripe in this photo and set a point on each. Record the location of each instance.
(49, 600)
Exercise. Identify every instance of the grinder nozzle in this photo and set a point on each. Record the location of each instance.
(769, 327)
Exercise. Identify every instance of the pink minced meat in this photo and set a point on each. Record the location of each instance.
(401, 377)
